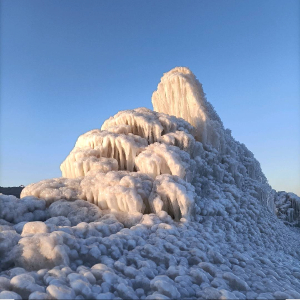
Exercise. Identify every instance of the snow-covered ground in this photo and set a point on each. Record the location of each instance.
(153, 206)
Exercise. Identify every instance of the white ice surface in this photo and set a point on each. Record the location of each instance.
(159, 159)
(146, 123)
(197, 221)
(180, 94)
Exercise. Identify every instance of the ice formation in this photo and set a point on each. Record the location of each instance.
(288, 208)
(160, 159)
(160, 204)
(180, 94)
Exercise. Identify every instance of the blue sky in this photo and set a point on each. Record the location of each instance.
(66, 66)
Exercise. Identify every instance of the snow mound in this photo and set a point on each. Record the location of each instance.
(158, 204)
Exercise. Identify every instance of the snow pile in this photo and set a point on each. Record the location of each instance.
(152, 207)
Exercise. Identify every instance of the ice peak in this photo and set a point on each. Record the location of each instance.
(179, 93)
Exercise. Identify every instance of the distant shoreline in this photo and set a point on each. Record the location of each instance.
(15, 190)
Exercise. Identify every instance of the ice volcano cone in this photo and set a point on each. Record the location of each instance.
(144, 161)
(160, 204)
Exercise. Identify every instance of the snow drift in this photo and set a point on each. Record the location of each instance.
(159, 204)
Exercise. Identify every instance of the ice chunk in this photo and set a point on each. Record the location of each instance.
(39, 296)
(15, 210)
(173, 195)
(59, 221)
(60, 292)
(31, 228)
(4, 283)
(81, 287)
(24, 285)
(8, 240)
(235, 282)
(10, 295)
(160, 159)
(126, 292)
(44, 250)
(166, 286)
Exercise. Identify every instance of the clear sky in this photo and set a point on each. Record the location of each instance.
(66, 66)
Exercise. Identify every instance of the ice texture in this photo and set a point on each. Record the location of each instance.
(158, 204)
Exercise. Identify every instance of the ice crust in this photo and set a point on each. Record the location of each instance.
(151, 207)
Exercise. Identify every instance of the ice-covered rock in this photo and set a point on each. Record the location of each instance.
(24, 285)
(15, 210)
(43, 250)
(9, 295)
(61, 292)
(31, 228)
